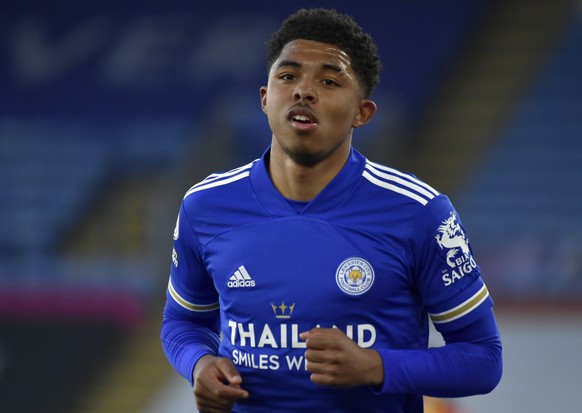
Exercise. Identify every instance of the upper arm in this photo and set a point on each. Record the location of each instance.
(190, 294)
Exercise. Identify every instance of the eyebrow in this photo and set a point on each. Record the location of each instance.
(326, 66)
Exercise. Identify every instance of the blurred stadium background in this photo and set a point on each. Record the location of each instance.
(109, 111)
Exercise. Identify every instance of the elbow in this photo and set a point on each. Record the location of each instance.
(493, 377)
(490, 384)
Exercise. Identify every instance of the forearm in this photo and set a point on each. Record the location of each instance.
(456, 370)
(185, 343)
(470, 363)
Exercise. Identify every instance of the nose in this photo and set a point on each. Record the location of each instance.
(305, 92)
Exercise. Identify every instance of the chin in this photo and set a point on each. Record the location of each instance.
(305, 157)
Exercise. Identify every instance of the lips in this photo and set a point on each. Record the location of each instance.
(302, 118)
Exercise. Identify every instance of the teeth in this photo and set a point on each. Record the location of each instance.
(301, 118)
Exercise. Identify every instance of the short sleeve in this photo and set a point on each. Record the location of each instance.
(190, 288)
(445, 272)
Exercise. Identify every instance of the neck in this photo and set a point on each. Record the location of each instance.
(303, 183)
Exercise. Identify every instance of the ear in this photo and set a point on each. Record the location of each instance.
(263, 93)
(365, 113)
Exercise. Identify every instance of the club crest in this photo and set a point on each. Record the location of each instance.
(354, 276)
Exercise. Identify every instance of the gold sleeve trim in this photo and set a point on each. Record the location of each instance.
(188, 305)
(462, 309)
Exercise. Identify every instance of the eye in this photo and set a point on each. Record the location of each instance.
(329, 82)
(287, 76)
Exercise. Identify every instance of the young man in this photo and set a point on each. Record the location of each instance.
(320, 267)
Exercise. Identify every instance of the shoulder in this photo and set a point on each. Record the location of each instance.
(218, 185)
(410, 198)
(219, 202)
(390, 183)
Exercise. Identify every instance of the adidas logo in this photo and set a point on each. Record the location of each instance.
(241, 278)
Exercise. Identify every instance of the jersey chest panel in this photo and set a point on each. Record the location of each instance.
(296, 273)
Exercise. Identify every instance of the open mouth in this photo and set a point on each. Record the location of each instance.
(302, 118)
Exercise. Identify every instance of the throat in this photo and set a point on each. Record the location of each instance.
(300, 183)
(303, 177)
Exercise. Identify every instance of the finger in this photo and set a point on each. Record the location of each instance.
(326, 375)
(229, 371)
(322, 367)
(223, 401)
(323, 374)
(312, 338)
(228, 392)
(206, 402)
(208, 406)
(331, 381)
(242, 393)
(323, 338)
(319, 356)
(219, 390)
(313, 366)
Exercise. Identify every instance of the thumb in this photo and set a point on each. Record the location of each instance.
(229, 371)
(232, 376)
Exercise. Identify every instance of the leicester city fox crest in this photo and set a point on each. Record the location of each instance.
(354, 276)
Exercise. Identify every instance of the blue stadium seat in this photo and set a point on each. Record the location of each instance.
(527, 196)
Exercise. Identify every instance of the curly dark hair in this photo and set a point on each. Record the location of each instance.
(330, 26)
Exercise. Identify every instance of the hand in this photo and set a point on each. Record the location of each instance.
(217, 385)
(335, 360)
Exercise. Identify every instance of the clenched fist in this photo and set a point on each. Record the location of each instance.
(335, 360)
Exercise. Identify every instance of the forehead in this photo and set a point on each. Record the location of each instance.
(310, 51)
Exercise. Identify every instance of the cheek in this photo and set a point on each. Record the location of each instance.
(269, 102)
(343, 116)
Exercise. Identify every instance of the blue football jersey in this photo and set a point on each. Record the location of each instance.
(376, 254)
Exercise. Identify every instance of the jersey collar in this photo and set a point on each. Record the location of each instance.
(340, 187)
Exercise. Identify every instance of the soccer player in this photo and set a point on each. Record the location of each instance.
(304, 281)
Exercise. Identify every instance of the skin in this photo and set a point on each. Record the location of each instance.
(313, 100)
(318, 79)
